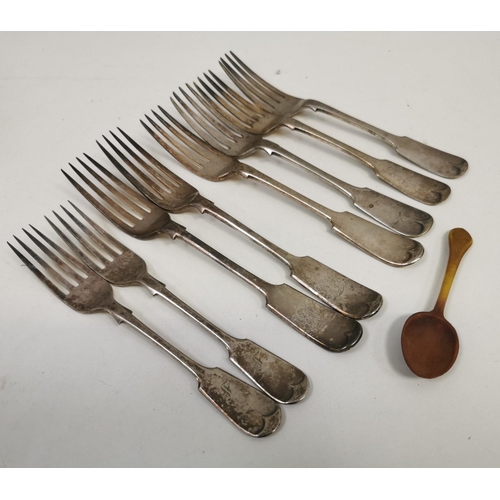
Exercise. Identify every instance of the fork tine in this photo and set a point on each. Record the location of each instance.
(142, 182)
(117, 244)
(44, 279)
(124, 221)
(258, 87)
(256, 77)
(245, 87)
(86, 242)
(181, 158)
(166, 174)
(52, 270)
(222, 105)
(196, 150)
(244, 105)
(205, 125)
(123, 192)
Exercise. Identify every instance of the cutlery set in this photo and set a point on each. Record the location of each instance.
(226, 127)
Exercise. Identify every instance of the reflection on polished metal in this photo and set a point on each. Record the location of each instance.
(227, 137)
(117, 264)
(210, 163)
(137, 216)
(80, 288)
(260, 117)
(172, 193)
(429, 342)
(257, 89)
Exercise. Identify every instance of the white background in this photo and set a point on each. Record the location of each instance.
(81, 391)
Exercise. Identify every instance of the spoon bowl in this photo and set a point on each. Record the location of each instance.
(429, 342)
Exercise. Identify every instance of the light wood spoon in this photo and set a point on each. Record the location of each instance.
(429, 341)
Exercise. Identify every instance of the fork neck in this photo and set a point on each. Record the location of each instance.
(221, 259)
(324, 108)
(124, 315)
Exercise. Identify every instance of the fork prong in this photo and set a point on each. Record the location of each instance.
(124, 221)
(196, 150)
(245, 87)
(167, 175)
(117, 244)
(201, 121)
(93, 243)
(78, 266)
(219, 106)
(42, 277)
(124, 193)
(52, 270)
(255, 79)
(142, 182)
(185, 160)
(244, 105)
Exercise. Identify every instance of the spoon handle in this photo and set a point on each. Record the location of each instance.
(460, 241)
(432, 159)
(395, 215)
(417, 186)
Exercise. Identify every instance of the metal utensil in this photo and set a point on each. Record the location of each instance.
(261, 117)
(172, 193)
(432, 159)
(429, 342)
(229, 138)
(80, 288)
(117, 264)
(210, 163)
(138, 217)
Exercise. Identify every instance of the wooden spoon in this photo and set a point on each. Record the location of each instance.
(429, 341)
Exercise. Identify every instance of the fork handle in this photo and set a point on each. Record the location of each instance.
(432, 159)
(386, 246)
(417, 186)
(278, 378)
(336, 290)
(316, 321)
(395, 215)
(249, 409)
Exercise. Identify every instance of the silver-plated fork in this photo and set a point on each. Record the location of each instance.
(172, 193)
(210, 163)
(234, 141)
(259, 117)
(432, 159)
(118, 265)
(79, 287)
(137, 216)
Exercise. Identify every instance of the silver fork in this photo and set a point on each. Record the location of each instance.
(117, 264)
(210, 163)
(232, 140)
(172, 193)
(137, 216)
(432, 159)
(262, 118)
(80, 288)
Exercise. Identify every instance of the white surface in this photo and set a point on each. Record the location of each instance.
(80, 391)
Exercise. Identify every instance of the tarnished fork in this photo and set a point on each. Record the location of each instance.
(252, 85)
(210, 163)
(258, 117)
(116, 263)
(232, 140)
(136, 215)
(79, 287)
(172, 193)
